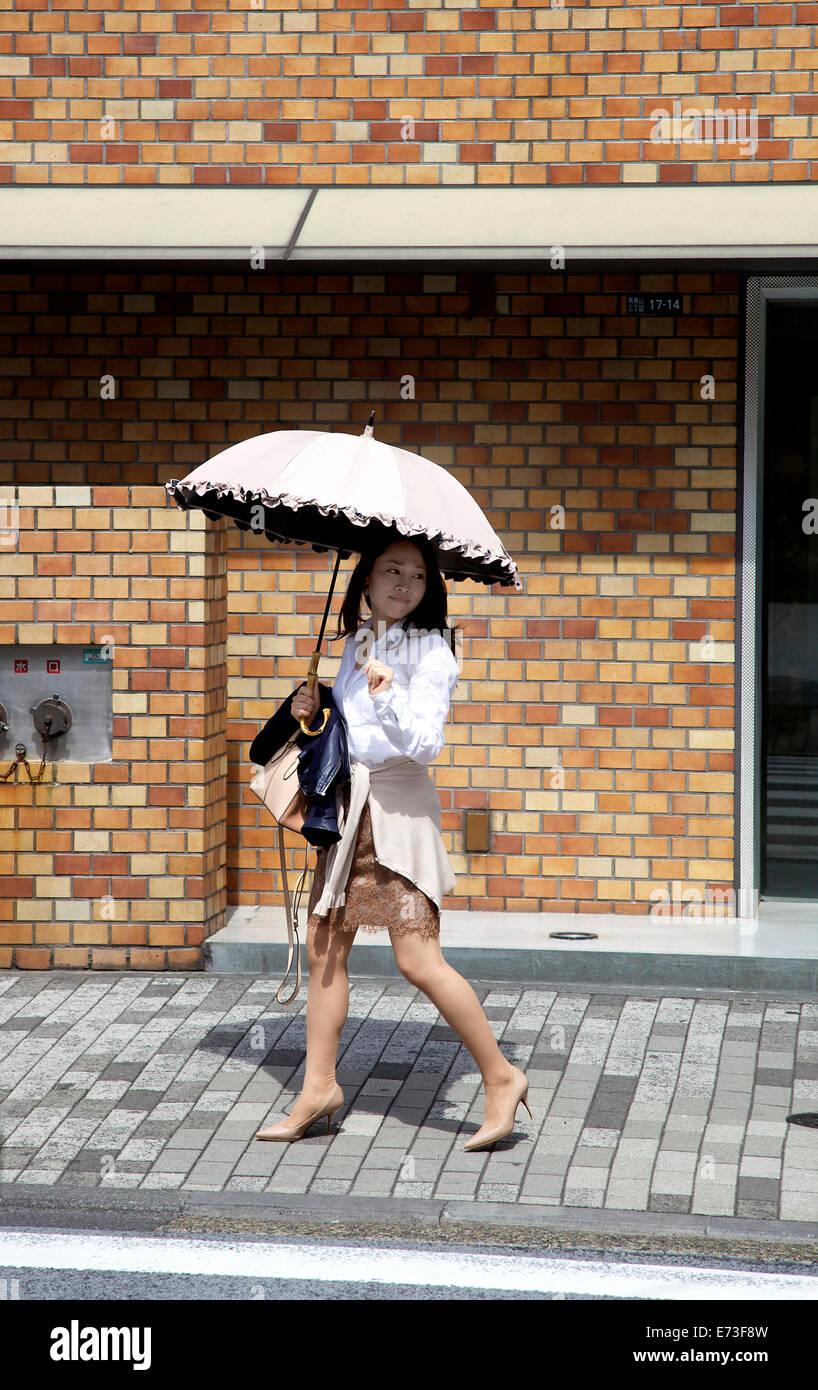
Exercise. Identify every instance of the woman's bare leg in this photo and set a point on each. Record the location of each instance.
(327, 1009)
(421, 962)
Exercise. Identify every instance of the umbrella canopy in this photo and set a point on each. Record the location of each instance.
(343, 492)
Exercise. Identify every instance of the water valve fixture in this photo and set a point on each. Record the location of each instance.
(51, 717)
(57, 699)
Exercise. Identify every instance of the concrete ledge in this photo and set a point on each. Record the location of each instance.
(551, 967)
(777, 951)
(637, 222)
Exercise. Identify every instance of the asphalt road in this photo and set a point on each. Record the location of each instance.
(65, 1264)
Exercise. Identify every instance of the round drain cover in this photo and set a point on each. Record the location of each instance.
(809, 1118)
(573, 935)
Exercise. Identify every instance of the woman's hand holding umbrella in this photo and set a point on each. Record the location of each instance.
(305, 704)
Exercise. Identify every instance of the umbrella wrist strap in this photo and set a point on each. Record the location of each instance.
(292, 920)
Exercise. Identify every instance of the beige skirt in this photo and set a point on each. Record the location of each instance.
(377, 899)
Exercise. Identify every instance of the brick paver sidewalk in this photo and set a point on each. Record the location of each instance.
(643, 1100)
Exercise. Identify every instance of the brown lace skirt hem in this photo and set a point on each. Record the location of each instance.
(377, 899)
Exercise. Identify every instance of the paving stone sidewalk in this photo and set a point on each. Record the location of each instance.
(643, 1101)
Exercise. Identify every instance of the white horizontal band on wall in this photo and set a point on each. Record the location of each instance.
(300, 224)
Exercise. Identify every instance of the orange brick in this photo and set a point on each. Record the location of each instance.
(56, 933)
(185, 960)
(70, 958)
(18, 934)
(128, 934)
(164, 935)
(106, 959)
(31, 958)
(147, 959)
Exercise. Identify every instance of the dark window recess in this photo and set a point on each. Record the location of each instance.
(482, 292)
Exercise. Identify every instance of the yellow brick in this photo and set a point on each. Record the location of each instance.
(128, 795)
(88, 841)
(92, 934)
(182, 910)
(593, 868)
(147, 863)
(126, 703)
(166, 888)
(46, 886)
(712, 738)
(132, 519)
(715, 869)
(54, 519)
(149, 635)
(72, 495)
(72, 909)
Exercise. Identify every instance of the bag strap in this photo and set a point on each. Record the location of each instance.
(292, 926)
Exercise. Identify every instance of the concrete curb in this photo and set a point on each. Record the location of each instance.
(418, 1217)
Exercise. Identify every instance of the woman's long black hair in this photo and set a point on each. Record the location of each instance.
(430, 614)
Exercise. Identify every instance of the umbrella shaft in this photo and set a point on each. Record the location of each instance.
(316, 656)
(328, 602)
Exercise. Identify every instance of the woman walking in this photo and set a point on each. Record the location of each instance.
(390, 870)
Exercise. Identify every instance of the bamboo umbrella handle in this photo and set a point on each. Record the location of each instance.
(311, 679)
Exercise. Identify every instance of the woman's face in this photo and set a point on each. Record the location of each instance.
(397, 582)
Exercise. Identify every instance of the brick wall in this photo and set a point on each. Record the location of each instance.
(500, 94)
(589, 718)
(118, 864)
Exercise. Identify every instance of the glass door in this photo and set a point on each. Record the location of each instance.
(789, 750)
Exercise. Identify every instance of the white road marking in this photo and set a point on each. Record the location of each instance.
(373, 1265)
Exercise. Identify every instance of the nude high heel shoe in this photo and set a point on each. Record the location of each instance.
(481, 1139)
(287, 1133)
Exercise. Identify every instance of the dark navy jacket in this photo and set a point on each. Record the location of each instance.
(323, 763)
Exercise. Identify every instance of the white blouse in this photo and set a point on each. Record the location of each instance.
(408, 719)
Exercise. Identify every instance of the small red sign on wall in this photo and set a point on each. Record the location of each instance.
(52, 666)
(20, 665)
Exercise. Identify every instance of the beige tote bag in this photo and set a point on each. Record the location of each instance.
(277, 786)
